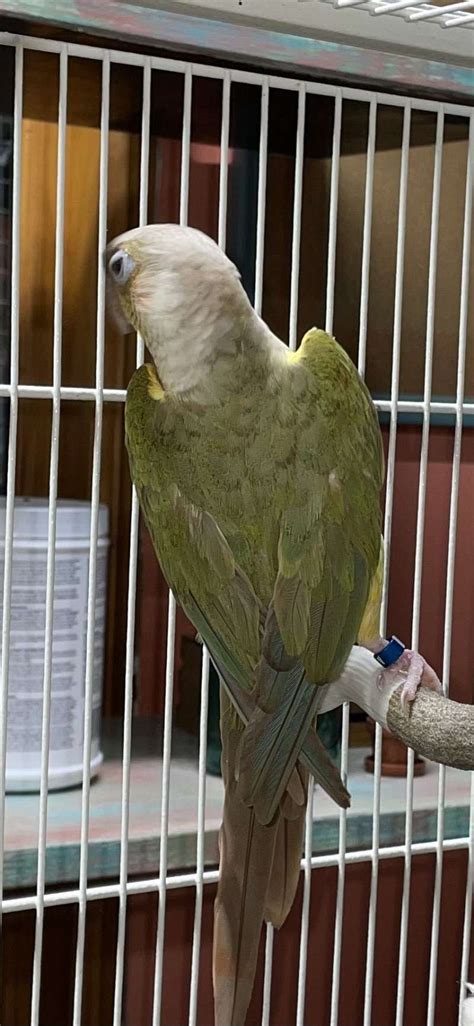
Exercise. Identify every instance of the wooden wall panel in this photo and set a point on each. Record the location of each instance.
(58, 963)
(100, 950)
(314, 237)
(178, 945)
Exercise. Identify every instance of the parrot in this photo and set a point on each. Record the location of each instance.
(258, 472)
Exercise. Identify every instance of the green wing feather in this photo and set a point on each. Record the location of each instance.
(301, 536)
(327, 557)
(219, 599)
(330, 546)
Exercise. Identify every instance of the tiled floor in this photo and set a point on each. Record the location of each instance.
(145, 810)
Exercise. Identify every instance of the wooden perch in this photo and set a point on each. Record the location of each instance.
(435, 726)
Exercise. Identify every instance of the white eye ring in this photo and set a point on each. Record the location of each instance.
(121, 266)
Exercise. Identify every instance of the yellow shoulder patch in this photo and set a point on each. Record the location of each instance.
(155, 388)
(316, 336)
(310, 341)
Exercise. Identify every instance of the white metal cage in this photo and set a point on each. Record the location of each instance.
(446, 15)
(56, 393)
(387, 23)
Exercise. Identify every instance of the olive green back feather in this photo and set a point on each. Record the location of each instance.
(278, 487)
(266, 504)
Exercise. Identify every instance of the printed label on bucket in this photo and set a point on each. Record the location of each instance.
(27, 649)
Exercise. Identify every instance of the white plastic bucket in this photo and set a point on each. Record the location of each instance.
(27, 641)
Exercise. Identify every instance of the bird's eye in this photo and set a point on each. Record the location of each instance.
(121, 266)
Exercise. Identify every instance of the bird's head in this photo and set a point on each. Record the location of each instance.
(178, 289)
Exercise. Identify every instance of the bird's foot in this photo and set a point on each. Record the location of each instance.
(412, 668)
(417, 672)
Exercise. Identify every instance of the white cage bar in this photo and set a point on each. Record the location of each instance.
(420, 525)
(158, 886)
(53, 489)
(95, 497)
(131, 604)
(397, 334)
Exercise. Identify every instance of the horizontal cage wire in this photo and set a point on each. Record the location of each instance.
(390, 402)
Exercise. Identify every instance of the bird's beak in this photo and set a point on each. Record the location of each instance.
(114, 310)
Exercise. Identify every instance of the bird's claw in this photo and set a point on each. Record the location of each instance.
(416, 672)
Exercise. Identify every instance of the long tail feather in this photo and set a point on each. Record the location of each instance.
(286, 867)
(259, 872)
(246, 863)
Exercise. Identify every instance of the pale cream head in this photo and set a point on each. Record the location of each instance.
(179, 290)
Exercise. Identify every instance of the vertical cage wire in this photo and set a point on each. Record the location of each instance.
(374, 878)
(390, 480)
(131, 604)
(12, 437)
(259, 258)
(304, 930)
(261, 197)
(267, 976)
(333, 205)
(397, 333)
(186, 147)
(201, 822)
(367, 237)
(165, 800)
(462, 346)
(423, 473)
(329, 319)
(467, 926)
(50, 569)
(294, 291)
(297, 204)
(170, 641)
(6, 146)
(341, 876)
(94, 528)
(224, 163)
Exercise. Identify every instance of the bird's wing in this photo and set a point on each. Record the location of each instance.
(330, 531)
(327, 558)
(219, 599)
(195, 557)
